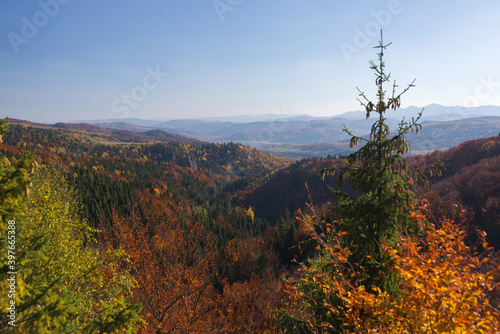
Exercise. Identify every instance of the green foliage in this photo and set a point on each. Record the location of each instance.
(14, 183)
(227, 221)
(285, 239)
(14, 180)
(63, 284)
(380, 174)
(84, 290)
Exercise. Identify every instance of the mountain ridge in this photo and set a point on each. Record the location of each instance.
(302, 136)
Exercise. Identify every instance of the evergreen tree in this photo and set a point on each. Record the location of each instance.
(351, 248)
(285, 237)
(14, 188)
(379, 173)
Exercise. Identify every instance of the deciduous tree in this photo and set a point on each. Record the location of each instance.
(63, 284)
(442, 285)
(174, 267)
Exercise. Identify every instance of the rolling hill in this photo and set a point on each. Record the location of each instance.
(306, 136)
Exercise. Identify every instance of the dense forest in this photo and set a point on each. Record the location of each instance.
(111, 231)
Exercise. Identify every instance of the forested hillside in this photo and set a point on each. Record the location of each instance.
(107, 176)
(469, 188)
(154, 190)
(470, 180)
(287, 189)
(116, 231)
(232, 204)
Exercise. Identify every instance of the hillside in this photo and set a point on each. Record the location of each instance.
(433, 136)
(203, 174)
(109, 166)
(470, 184)
(164, 202)
(308, 137)
(471, 179)
(221, 214)
(286, 189)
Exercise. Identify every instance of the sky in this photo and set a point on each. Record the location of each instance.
(66, 60)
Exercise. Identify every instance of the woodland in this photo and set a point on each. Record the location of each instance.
(125, 232)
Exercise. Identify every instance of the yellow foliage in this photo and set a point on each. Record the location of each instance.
(443, 286)
(250, 213)
(442, 289)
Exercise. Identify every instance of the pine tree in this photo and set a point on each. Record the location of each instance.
(285, 237)
(351, 247)
(380, 175)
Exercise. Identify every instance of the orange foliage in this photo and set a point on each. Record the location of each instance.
(444, 286)
(173, 266)
(248, 305)
(178, 282)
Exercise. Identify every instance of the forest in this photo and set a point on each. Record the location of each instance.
(111, 231)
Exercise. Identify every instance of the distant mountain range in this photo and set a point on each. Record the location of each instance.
(433, 136)
(308, 136)
(435, 112)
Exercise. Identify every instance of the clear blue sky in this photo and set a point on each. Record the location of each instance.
(63, 60)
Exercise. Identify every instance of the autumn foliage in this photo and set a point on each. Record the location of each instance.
(158, 234)
(443, 286)
(179, 281)
(172, 266)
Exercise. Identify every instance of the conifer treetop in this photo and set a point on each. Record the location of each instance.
(393, 102)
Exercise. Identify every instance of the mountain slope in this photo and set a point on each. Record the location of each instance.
(109, 166)
(433, 136)
(470, 180)
(307, 136)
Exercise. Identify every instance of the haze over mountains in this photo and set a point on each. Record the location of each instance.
(308, 136)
